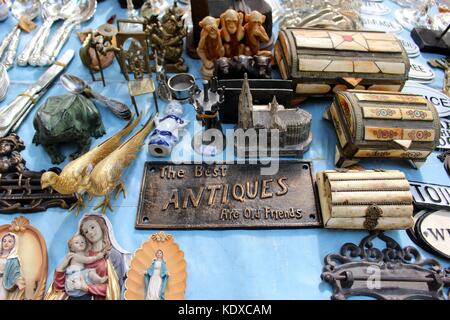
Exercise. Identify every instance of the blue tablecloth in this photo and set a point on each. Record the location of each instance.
(231, 264)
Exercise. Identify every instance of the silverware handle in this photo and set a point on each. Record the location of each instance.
(8, 60)
(6, 40)
(25, 55)
(115, 106)
(57, 42)
(39, 45)
(12, 113)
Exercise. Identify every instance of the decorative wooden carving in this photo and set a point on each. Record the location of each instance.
(368, 199)
(384, 125)
(321, 61)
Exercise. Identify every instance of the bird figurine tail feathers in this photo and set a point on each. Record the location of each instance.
(105, 177)
(71, 177)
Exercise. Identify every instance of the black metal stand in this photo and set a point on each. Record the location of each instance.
(432, 40)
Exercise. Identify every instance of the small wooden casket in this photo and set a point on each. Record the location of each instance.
(320, 61)
(368, 199)
(379, 124)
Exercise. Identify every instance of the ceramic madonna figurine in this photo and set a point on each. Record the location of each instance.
(156, 278)
(12, 284)
(23, 261)
(168, 130)
(94, 268)
(210, 47)
(158, 270)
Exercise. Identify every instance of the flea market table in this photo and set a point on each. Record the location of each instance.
(221, 264)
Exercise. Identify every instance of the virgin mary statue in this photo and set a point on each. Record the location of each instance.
(156, 277)
(12, 285)
(99, 234)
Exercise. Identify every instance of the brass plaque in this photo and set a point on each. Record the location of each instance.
(141, 87)
(205, 196)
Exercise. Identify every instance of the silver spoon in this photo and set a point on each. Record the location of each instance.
(77, 85)
(51, 12)
(77, 11)
(28, 9)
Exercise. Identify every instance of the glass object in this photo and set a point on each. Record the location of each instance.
(330, 14)
(427, 14)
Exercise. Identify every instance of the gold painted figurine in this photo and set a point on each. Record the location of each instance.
(105, 177)
(70, 179)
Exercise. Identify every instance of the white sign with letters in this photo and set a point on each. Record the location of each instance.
(440, 100)
(434, 230)
(444, 141)
(420, 72)
(375, 8)
(380, 24)
(411, 48)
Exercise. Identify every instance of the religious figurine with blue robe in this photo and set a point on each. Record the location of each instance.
(156, 278)
(12, 284)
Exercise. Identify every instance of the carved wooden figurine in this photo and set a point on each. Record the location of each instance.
(232, 32)
(255, 34)
(210, 47)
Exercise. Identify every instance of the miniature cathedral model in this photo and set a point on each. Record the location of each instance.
(293, 125)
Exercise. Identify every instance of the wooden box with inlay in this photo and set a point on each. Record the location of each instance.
(324, 61)
(367, 199)
(381, 124)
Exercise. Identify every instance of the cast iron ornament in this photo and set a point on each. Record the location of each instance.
(20, 188)
(391, 273)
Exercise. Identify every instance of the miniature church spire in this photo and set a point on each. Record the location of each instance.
(245, 106)
(275, 121)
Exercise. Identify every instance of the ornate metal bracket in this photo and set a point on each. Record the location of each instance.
(392, 273)
(20, 188)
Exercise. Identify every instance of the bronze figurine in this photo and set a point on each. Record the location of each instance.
(166, 38)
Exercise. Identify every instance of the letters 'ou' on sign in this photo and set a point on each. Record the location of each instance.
(227, 196)
(440, 100)
(430, 196)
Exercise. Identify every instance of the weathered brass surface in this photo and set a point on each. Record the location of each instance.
(202, 196)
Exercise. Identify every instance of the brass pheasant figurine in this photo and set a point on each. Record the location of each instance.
(70, 179)
(104, 178)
